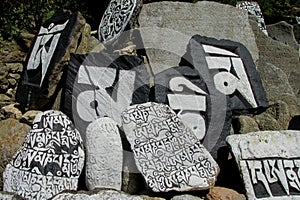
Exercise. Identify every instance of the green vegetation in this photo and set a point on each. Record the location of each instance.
(28, 15)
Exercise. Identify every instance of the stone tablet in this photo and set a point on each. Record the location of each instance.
(50, 50)
(100, 85)
(104, 155)
(197, 102)
(228, 66)
(50, 160)
(115, 19)
(253, 9)
(167, 153)
(269, 162)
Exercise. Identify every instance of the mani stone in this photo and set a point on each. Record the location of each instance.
(167, 153)
(49, 53)
(104, 155)
(101, 84)
(269, 162)
(166, 28)
(49, 161)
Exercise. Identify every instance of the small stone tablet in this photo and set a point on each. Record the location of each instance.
(167, 153)
(104, 155)
(50, 160)
(269, 162)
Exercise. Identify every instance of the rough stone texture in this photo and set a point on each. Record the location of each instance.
(266, 122)
(247, 124)
(9, 196)
(167, 153)
(104, 155)
(186, 197)
(101, 195)
(282, 56)
(220, 193)
(268, 161)
(29, 116)
(12, 135)
(50, 160)
(95, 45)
(283, 32)
(296, 29)
(11, 111)
(172, 24)
(11, 52)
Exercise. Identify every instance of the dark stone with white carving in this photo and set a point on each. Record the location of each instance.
(228, 66)
(254, 10)
(50, 49)
(200, 106)
(50, 160)
(119, 16)
(167, 153)
(269, 162)
(104, 155)
(100, 84)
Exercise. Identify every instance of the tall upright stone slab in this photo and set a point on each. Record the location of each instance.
(229, 68)
(100, 84)
(172, 24)
(50, 50)
(50, 160)
(197, 102)
(167, 153)
(104, 155)
(254, 10)
(269, 163)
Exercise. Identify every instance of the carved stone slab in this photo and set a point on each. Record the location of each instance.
(50, 50)
(115, 19)
(50, 160)
(228, 67)
(167, 153)
(269, 162)
(104, 155)
(100, 85)
(197, 102)
(253, 9)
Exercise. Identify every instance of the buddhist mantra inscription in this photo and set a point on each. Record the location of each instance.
(104, 155)
(50, 160)
(167, 153)
(269, 162)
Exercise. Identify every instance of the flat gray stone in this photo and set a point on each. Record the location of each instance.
(104, 155)
(269, 162)
(166, 28)
(50, 160)
(167, 153)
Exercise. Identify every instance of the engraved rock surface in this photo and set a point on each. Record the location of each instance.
(172, 24)
(50, 160)
(104, 155)
(167, 153)
(269, 162)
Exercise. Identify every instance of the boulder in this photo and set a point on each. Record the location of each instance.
(186, 197)
(29, 116)
(166, 151)
(166, 28)
(246, 124)
(12, 134)
(283, 32)
(268, 161)
(11, 111)
(50, 160)
(220, 193)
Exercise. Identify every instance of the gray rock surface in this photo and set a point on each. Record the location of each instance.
(172, 24)
(268, 161)
(167, 153)
(104, 155)
(283, 32)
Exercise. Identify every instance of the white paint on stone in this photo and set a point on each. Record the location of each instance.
(269, 160)
(167, 153)
(104, 155)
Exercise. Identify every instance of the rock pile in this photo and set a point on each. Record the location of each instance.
(150, 108)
